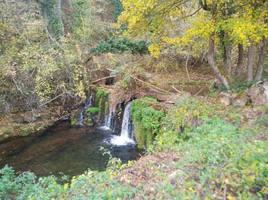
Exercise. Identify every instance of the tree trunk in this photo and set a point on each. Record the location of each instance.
(212, 63)
(67, 17)
(227, 48)
(251, 59)
(228, 58)
(261, 60)
(240, 59)
(59, 14)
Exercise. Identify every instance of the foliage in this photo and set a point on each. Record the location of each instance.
(147, 121)
(216, 155)
(93, 110)
(50, 12)
(81, 24)
(187, 113)
(118, 8)
(143, 17)
(90, 185)
(120, 45)
(36, 67)
(192, 26)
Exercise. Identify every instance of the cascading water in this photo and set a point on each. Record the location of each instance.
(108, 123)
(88, 103)
(126, 135)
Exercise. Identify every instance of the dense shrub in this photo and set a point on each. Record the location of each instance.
(218, 157)
(91, 185)
(120, 45)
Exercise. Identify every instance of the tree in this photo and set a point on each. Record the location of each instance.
(217, 25)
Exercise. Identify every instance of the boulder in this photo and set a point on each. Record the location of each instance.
(225, 98)
(258, 94)
(31, 116)
(177, 177)
(240, 102)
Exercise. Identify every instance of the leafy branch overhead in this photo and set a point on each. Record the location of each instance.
(215, 25)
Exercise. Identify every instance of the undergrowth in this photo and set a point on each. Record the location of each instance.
(218, 161)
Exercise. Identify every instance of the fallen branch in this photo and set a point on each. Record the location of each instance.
(151, 85)
(101, 79)
(201, 90)
(51, 100)
(173, 87)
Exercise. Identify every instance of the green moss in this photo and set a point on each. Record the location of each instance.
(101, 93)
(73, 121)
(93, 110)
(24, 131)
(147, 121)
(6, 131)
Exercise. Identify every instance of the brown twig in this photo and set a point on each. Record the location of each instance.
(151, 85)
(101, 79)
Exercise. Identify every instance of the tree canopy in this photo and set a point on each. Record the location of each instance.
(197, 25)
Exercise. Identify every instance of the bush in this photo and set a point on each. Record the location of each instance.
(93, 110)
(120, 45)
(90, 185)
(188, 112)
(217, 156)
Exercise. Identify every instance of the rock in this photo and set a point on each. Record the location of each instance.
(30, 116)
(18, 118)
(177, 177)
(240, 102)
(258, 94)
(225, 98)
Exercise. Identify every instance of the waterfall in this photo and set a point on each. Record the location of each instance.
(126, 135)
(109, 118)
(88, 103)
(108, 121)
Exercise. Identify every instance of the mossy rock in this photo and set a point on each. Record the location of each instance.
(102, 102)
(88, 122)
(93, 111)
(147, 121)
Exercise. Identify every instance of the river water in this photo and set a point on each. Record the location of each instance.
(64, 150)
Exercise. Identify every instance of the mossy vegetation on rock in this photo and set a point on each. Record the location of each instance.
(102, 103)
(147, 121)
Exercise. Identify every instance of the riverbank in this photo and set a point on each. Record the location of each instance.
(224, 155)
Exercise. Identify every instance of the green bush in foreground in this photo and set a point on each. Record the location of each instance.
(91, 185)
(219, 160)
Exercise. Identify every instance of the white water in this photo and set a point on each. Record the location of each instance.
(88, 103)
(108, 121)
(126, 136)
